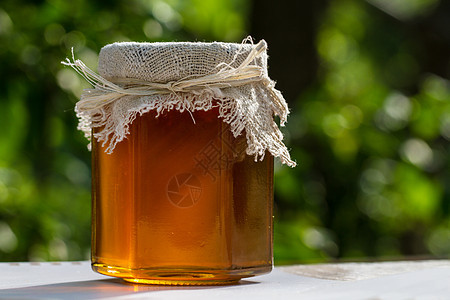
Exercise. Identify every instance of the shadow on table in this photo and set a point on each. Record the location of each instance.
(93, 289)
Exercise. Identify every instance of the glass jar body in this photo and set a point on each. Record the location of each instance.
(181, 203)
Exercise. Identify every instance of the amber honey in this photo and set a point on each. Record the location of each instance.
(179, 202)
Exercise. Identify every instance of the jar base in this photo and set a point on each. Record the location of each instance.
(181, 282)
(180, 276)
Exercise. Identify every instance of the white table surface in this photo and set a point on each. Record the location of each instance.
(371, 281)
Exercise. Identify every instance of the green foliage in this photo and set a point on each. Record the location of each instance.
(370, 136)
(374, 139)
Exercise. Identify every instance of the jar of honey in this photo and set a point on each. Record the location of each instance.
(183, 140)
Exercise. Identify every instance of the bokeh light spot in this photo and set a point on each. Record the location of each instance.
(53, 33)
(334, 125)
(6, 23)
(30, 55)
(152, 29)
(417, 152)
(8, 240)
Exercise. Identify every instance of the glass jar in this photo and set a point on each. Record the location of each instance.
(180, 203)
(183, 139)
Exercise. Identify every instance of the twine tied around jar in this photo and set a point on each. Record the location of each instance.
(241, 89)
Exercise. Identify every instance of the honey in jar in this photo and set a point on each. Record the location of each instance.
(181, 203)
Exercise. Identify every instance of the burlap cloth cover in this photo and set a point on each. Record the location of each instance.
(135, 78)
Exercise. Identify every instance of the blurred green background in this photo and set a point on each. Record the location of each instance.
(367, 83)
